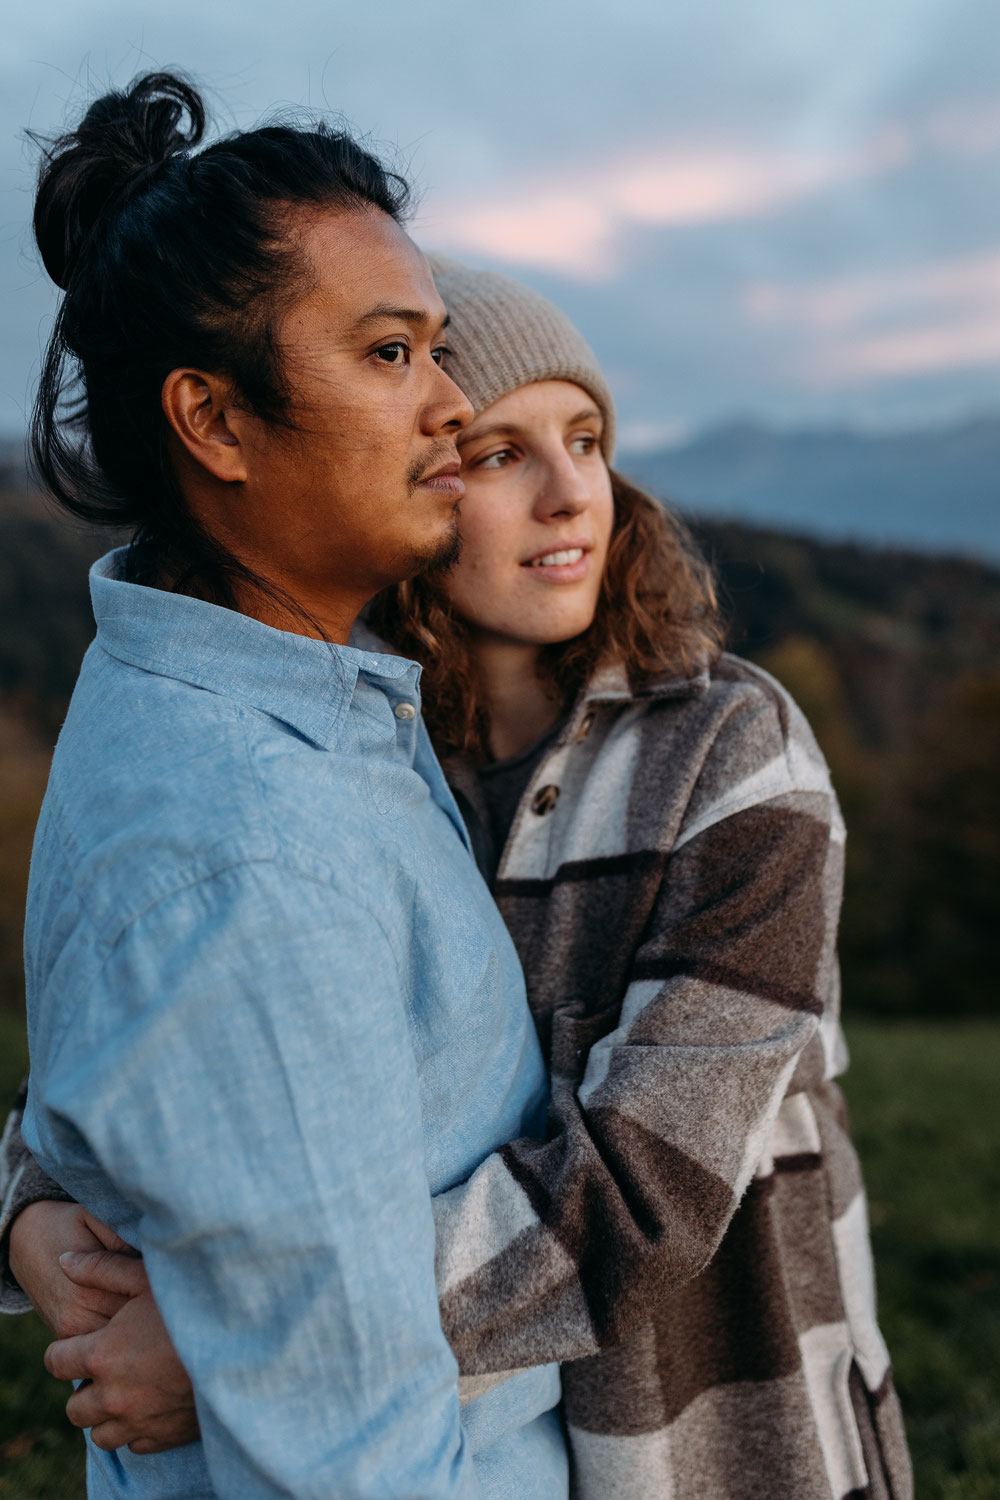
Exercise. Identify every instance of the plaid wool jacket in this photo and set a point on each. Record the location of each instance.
(690, 1239)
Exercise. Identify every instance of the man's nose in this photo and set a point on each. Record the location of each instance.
(448, 406)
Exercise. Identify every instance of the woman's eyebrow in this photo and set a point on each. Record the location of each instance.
(508, 429)
(500, 429)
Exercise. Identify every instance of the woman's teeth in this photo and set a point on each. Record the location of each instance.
(558, 559)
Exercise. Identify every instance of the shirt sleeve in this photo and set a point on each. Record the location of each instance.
(253, 1030)
(22, 1182)
(662, 1109)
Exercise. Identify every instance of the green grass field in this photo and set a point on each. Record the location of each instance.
(923, 1107)
(922, 1102)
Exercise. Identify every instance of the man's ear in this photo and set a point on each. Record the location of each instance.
(201, 411)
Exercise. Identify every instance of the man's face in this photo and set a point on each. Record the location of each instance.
(365, 491)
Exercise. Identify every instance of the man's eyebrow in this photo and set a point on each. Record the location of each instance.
(389, 313)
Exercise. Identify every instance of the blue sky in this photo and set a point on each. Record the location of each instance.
(751, 207)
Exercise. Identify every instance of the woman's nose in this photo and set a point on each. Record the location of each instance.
(564, 491)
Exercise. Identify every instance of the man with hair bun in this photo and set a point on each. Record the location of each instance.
(271, 1006)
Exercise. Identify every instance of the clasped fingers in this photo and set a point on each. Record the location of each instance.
(74, 1358)
(135, 1391)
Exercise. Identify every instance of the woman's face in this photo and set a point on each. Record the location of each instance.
(536, 518)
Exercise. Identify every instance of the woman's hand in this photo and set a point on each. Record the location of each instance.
(38, 1236)
(137, 1392)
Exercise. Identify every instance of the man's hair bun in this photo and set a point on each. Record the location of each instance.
(123, 140)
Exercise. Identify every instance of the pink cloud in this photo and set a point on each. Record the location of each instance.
(848, 300)
(557, 231)
(941, 316)
(967, 128)
(576, 222)
(960, 344)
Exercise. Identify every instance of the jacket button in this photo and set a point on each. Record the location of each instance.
(405, 711)
(545, 800)
(585, 726)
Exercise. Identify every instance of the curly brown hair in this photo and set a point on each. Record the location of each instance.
(657, 612)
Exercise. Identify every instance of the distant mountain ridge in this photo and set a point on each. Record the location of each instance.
(935, 489)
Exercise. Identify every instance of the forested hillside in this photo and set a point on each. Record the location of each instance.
(895, 658)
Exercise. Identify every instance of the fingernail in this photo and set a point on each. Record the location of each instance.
(67, 1257)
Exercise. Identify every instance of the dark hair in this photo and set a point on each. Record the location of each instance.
(657, 612)
(170, 259)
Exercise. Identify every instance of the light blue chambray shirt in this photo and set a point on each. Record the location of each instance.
(272, 1008)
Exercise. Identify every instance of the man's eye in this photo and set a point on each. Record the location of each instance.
(438, 355)
(394, 354)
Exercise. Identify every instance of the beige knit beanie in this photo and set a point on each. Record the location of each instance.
(503, 335)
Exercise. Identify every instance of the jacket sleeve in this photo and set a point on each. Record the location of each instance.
(552, 1250)
(253, 1029)
(22, 1181)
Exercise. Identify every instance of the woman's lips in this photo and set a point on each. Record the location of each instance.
(561, 565)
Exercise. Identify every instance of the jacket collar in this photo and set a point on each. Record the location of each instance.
(610, 684)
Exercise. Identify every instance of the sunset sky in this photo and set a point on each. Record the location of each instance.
(762, 208)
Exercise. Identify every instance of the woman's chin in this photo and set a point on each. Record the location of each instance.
(530, 633)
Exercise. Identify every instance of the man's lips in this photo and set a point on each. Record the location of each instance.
(445, 481)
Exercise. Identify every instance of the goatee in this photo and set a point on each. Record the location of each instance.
(446, 554)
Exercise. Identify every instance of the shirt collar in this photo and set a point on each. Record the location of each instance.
(307, 684)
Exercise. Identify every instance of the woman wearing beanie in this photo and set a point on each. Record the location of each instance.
(663, 841)
(665, 846)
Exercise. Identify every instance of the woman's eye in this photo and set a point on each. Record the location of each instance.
(394, 354)
(437, 355)
(586, 443)
(498, 460)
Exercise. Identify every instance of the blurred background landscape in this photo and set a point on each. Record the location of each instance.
(779, 226)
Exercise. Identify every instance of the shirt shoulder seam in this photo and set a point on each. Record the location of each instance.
(107, 946)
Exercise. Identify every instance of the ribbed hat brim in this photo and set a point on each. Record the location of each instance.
(504, 335)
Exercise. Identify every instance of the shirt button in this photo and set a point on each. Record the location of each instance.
(545, 800)
(585, 726)
(405, 711)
